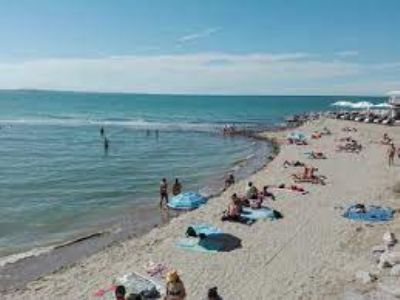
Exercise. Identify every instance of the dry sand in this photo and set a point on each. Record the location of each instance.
(312, 253)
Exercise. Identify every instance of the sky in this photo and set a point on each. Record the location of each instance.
(307, 47)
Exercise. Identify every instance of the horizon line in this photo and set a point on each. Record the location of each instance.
(186, 94)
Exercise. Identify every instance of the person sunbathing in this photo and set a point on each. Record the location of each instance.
(317, 155)
(326, 131)
(251, 191)
(234, 209)
(386, 140)
(316, 135)
(267, 193)
(292, 187)
(309, 176)
(233, 213)
(293, 163)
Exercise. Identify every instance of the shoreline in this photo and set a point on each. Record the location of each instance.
(39, 257)
(305, 255)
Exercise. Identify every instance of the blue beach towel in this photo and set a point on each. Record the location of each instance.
(192, 244)
(205, 229)
(256, 214)
(373, 213)
(187, 201)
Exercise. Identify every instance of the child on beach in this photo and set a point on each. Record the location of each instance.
(175, 290)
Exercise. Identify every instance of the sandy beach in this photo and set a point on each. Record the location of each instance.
(312, 253)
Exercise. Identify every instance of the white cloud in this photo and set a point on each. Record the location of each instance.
(201, 73)
(198, 35)
(347, 53)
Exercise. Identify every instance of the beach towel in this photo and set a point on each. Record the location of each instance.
(261, 213)
(220, 242)
(204, 229)
(134, 284)
(297, 136)
(373, 213)
(187, 201)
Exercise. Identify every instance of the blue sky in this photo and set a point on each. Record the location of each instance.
(202, 47)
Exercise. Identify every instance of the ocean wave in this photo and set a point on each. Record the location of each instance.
(360, 104)
(13, 258)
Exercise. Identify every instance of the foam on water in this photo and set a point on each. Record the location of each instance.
(360, 104)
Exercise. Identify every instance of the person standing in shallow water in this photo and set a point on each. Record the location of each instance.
(163, 192)
(106, 144)
(102, 131)
(177, 187)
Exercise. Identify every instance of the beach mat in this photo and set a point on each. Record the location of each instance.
(202, 228)
(261, 213)
(373, 213)
(221, 242)
(134, 284)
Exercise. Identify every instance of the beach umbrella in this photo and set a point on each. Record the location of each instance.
(187, 200)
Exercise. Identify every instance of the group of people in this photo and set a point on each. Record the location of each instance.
(252, 198)
(319, 134)
(174, 290)
(351, 145)
(176, 190)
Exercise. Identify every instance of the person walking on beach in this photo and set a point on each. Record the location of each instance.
(177, 187)
(163, 192)
(391, 154)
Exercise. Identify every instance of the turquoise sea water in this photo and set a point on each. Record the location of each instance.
(56, 181)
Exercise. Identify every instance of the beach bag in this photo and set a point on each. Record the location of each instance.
(191, 232)
(277, 214)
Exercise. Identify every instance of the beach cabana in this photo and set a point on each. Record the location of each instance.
(394, 103)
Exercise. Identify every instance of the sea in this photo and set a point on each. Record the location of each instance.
(60, 186)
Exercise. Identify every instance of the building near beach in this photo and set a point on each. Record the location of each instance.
(394, 102)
